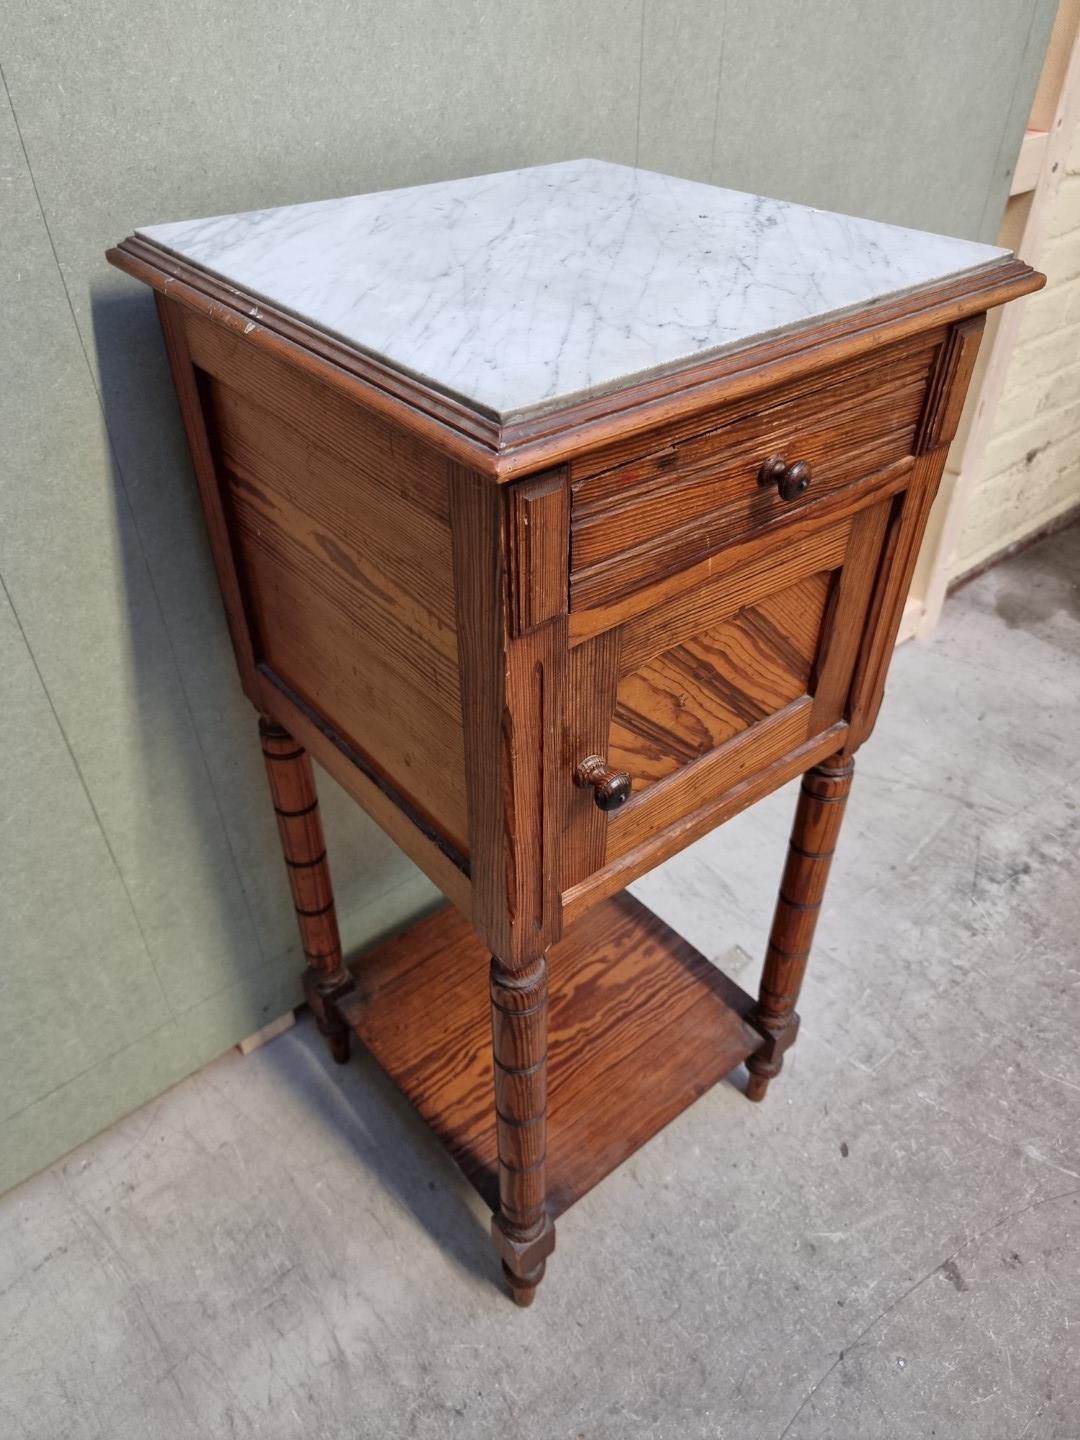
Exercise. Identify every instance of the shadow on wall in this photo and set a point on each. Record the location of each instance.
(198, 815)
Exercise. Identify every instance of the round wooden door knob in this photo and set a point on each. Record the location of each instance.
(611, 788)
(791, 481)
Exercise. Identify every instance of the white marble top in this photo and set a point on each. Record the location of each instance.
(520, 292)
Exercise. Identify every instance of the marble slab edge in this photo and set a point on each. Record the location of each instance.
(511, 448)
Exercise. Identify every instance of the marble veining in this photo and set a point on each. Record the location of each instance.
(521, 292)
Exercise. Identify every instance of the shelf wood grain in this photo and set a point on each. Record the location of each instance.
(640, 1025)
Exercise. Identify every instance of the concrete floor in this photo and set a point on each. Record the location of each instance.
(889, 1247)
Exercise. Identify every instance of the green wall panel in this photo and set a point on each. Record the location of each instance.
(145, 917)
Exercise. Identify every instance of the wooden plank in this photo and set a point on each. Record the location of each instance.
(539, 523)
(640, 1025)
(262, 1037)
(1029, 162)
(512, 690)
(843, 631)
(591, 682)
(948, 385)
(1057, 111)
(1053, 78)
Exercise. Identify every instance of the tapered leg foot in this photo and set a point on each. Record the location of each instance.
(813, 838)
(339, 1043)
(296, 805)
(523, 1287)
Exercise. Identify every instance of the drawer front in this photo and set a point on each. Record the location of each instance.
(635, 520)
(717, 686)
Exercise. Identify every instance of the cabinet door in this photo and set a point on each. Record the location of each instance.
(716, 694)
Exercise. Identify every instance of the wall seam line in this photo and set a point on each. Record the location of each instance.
(719, 92)
(1006, 123)
(640, 84)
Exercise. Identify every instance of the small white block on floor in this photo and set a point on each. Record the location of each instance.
(268, 1032)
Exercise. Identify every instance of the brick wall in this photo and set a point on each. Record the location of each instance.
(1030, 471)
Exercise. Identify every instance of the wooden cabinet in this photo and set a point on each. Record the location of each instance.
(561, 515)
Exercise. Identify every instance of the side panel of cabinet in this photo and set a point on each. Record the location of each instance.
(338, 527)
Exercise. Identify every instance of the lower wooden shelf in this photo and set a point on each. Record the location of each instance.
(640, 1025)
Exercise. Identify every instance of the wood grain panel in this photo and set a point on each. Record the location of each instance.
(174, 326)
(717, 596)
(349, 589)
(391, 531)
(843, 625)
(539, 524)
(907, 522)
(374, 450)
(697, 695)
(640, 1025)
(592, 680)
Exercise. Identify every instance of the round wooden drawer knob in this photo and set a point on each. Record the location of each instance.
(791, 481)
(611, 788)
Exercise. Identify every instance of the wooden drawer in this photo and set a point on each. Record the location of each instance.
(637, 518)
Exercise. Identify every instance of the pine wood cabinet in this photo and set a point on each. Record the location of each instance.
(561, 515)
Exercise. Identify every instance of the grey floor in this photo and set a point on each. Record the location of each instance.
(889, 1247)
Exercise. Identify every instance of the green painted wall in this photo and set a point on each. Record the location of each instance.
(145, 923)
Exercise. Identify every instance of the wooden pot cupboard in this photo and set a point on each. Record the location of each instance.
(562, 515)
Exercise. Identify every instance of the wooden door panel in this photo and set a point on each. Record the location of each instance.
(718, 682)
(702, 692)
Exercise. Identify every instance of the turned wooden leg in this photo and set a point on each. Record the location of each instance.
(813, 839)
(522, 1229)
(296, 805)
